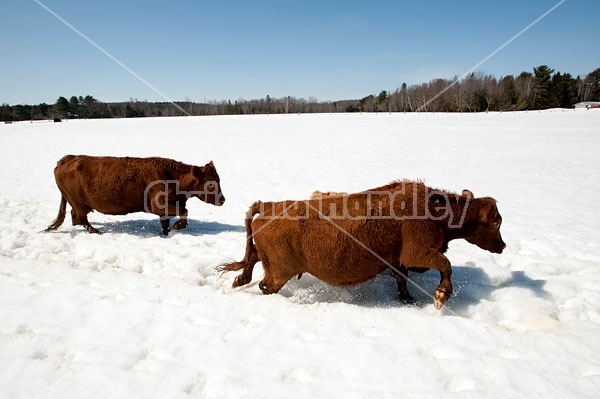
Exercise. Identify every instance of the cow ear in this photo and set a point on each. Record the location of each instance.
(487, 210)
(198, 171)
(468, 194)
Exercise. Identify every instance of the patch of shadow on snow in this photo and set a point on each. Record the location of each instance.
(377, 292)
(151, 227)
(471, 286)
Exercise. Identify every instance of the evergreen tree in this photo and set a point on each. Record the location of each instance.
(44, 109)
(74, 105)
(541, 86)
(89, 107)
(61, 107)
(21, 112)
(592, 82)
(507, 97)
(6, 112)
(563, 91)
(403, 105)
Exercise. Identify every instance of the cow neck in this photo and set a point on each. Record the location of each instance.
(456, 229)
(186, 179)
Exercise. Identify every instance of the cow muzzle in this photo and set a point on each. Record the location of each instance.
(499, 248)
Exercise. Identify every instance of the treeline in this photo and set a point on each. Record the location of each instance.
(541, 89)
(89, 107)
(478, 92)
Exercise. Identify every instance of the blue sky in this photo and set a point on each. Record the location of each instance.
(330, 50)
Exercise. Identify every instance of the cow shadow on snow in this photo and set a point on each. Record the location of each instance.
(471, 285)
(151, 228)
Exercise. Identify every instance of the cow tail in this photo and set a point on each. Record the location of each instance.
(60, 218)
(251, 256)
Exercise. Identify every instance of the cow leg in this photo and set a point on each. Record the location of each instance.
(276, 275)
(247, 264)
(245, 277)
(444, 290)
(85, 223)
(401, 274)
(165, 223)
(92, 230)
(182, 222)
(272, 285)
(428, 257)
(79, 218)
(74, 218)
(166, 212)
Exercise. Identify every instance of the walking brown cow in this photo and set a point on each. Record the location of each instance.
(118, 186)
(345, 240)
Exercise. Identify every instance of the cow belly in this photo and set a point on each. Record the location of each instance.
(116, 205)
(117, 210)
(323, 250)
(344, 269)
(351, 252)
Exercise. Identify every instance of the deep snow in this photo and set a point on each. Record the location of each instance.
(129, 314)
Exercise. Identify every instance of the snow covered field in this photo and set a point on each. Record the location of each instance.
(129, 314)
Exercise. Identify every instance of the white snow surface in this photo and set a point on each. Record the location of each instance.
(130, 314)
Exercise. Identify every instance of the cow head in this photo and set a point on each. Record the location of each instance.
(208, 184)
(486, 233)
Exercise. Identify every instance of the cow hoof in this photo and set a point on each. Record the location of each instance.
(239, 281)
(179, 225)
(265, 290)
(440, 297)
(407, 299)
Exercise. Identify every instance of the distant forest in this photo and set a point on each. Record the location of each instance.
(542, 88)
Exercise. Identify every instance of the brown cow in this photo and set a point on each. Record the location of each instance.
(118, 186)
(345, 240)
